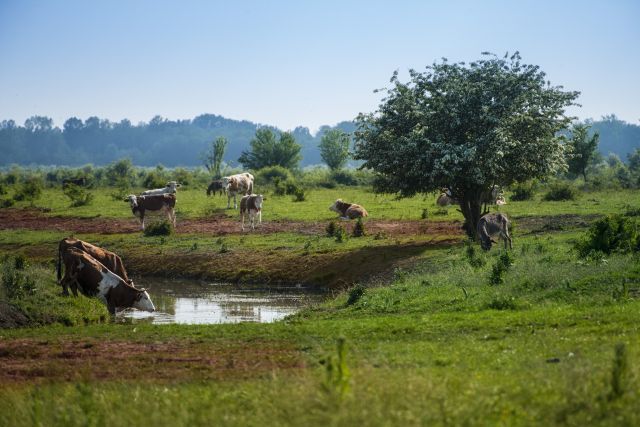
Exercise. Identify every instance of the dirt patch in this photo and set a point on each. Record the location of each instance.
(31, 219)
(11, 317)
(28, 360)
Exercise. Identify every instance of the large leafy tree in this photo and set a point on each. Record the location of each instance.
(334, 148)
(582, 149)
(467, 127)
(267, 150)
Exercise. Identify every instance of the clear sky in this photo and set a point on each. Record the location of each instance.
(291, 63)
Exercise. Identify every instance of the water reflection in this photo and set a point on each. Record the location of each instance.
(197, 302)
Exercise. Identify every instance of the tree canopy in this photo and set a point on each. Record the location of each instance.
(466, 127)
(267, 150)
(334, 148)
(582, 149)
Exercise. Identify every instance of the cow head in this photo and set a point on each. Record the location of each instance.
(259, 198)
(173, 185)
(132, 199)
(335, 207)
(143, 301)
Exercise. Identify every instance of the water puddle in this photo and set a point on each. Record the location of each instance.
(199, 302)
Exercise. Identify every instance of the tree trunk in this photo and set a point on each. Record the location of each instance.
(471, 208)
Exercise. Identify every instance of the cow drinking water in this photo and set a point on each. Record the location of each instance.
(93, 279)
(493, 224)
(162, 203)
(252, 206)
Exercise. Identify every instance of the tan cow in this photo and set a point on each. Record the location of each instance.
(93, 279)
(348, 210)
(109, 259)
(161, 202)
(240, 183)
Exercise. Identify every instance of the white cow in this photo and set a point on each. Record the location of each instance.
(170, 188)
(251, 205)
(234, 184)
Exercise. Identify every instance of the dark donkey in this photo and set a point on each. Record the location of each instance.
(493, 224)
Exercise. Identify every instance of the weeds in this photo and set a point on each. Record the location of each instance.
(614, 233)
(618, 372)
(358, 229)
(15, 281)
(500, 268)
(355, 294)
(337, 373)
(160, 228)
(79, 196)
(340, 234)
(331, 229)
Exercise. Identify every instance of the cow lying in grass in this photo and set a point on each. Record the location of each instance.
(162, 203)
(348, 210)
(252, 206)
(241, 183)
(170, 188)
(93, 279)
(109, 259)
(491, 225)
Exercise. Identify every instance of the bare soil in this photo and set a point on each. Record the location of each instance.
(29, 360)
(32, 219)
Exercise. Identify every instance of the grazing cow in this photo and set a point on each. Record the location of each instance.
(93, 279)
(251, 205)
(170, 188)
(162, 202)
(493, 224)
(216, 186)
(234, 184)
(109, 259)
(348, 210)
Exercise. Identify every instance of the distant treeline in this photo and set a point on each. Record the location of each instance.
(181, 142)
(160, 141)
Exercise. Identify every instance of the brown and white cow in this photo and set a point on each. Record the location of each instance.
(109, 259)
(251, 205)
(170, 188)
(491, 225)
(161, 202)
(93, 279)
(348, 210)
(240, 183)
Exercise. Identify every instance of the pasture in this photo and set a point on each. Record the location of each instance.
(437, 334)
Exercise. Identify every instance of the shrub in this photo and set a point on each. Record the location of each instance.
(30, 191)
(425, 214)
(15, 282)
(6, 203)
(331, 229)
(500, 268)
(614, 233)
(159, 228)
(355, 294)
(298, 195)
(524, 191)
(79, 196)
(3, 189)
(502, 303)
(560, 192)
(270, 174)
(475, 260)
(154, 179)
(340, 234)
(358, 229)
(344, 177)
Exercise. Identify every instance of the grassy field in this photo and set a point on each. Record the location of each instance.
(448, 335)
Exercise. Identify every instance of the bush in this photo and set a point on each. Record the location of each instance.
(160, 228)
(524, 191)
(358, 229)
(340, 234)
(614, 233)
(355, 294)
(298, 195)
(500, 268)
(30, 191)
(154, 179)
(560, 192)
(6, 203)
(79, 196)
(331, 229)
(3, 189)
(270, 174)
(344, 177)
(15, 282)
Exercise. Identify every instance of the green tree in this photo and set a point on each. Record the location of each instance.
(466, 127)
(582, 149)
(266, 150)
(334, 148)
(120, 173)
(213, 157)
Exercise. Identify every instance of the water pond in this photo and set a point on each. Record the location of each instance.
(201, 302)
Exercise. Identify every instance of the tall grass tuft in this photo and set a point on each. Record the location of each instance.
(500, 268)
(355, 294)
(618, 372)
(337, 372)
(160, 228)
(358, 229)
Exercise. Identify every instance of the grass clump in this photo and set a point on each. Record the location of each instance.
(340, 234)
(560, 191)
(613, 233)
(359, 229)
(355, 294)
(159, 228)
(331, 229)
(16, 282)
(500, 268)
(618, 372)
(78, 195)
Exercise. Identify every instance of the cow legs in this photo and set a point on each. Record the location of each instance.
(242, 221)
(228, 201)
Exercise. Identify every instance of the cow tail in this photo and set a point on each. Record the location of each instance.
(250, 187)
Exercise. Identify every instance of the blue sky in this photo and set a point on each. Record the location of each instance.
(294, 63)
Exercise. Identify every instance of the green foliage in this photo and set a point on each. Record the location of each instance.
(16, 283)
(331, 229)
(267, 151)
(158, 228)
(120, 172)
(581, 149)
(524, 190)
(299, 194)
(337, 373)
(271, 174)
(355, 294)
(619, 372)
(334, 148)
(476, 259)
(344, 177)
(560, 191)
(212, 158)
(613, 233)
(340, 234)
(156, 178)
(7, 203)
(359, 229)
(79, 196)
(465, 127)
(30, 190)
(502, 302)
(500, 268)
(3, 188)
